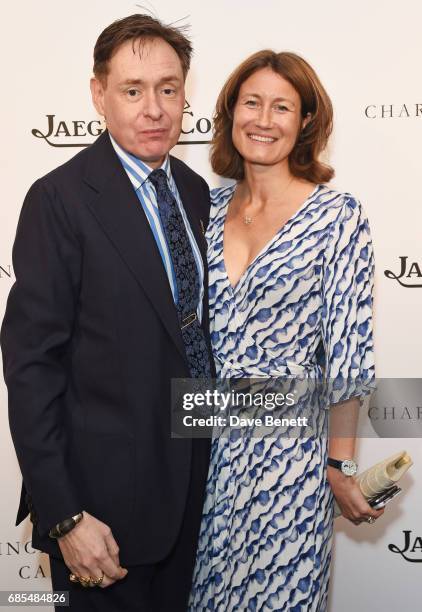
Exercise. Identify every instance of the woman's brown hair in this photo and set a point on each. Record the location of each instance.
(312, 139)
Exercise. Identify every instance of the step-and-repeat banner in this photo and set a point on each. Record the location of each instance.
(367, 55)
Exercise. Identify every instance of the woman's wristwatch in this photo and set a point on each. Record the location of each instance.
(65, 526)
(347, 466)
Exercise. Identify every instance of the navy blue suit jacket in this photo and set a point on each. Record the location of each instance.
(90, 342)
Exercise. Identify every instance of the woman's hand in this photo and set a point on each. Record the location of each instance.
(350, 498)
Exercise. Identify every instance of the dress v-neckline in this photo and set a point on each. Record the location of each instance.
(267, 245)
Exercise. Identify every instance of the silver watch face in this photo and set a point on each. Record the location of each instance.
(349, 467)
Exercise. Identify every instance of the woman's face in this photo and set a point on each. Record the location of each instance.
(266, 119)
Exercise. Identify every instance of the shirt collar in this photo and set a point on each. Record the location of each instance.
(136, 169)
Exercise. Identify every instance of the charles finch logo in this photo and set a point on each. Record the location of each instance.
(394, 111)
(5, 271)
(78, 133)
(34, 565)
(412, 547)
(409, 275)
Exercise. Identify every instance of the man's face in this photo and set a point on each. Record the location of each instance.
(142, 98)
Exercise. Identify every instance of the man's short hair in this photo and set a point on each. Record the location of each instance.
(138, 27)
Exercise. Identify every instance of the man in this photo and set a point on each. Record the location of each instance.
(108, 306)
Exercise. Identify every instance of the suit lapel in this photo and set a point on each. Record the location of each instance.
(119, 212)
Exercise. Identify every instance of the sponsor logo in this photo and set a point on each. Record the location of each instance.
(409, 274)
(393, 111)
(395, 413)
(24, 549)
(395, 409)
(194, 130)
(79, 133)
(411, 549)
(60, 133)
(5, 271)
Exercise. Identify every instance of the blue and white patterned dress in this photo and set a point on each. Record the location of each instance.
(303, 307)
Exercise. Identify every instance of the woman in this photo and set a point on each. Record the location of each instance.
(290, 273)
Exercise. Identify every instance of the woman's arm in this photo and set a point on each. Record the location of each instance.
(343, 425)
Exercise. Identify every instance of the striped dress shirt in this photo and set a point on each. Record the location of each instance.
(138, 173)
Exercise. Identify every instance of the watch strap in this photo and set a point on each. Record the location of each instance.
(335, 463)
(65, 526)
(348, 466)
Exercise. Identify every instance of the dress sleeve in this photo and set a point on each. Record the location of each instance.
(348, 278)
(219, 197)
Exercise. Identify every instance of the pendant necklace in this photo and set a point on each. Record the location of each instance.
(247, 220)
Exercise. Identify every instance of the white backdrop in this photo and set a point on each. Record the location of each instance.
(368, 57)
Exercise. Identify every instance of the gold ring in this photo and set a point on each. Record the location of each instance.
(84, 581)
(73, 578)
(370, 520)
(97, 581)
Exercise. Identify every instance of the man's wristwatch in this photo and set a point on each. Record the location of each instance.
(347, 466)
(65, 526)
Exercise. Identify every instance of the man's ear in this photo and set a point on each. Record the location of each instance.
(97, 93)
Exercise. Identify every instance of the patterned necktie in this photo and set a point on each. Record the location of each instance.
(186, 273)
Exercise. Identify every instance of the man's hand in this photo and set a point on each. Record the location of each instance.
(90, 549)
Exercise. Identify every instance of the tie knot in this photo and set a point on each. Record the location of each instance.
(158, 178)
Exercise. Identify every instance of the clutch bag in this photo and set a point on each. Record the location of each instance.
(381, 476)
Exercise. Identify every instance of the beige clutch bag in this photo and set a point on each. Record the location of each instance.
(381, 476)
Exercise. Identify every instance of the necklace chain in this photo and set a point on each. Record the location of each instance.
(247, 220)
